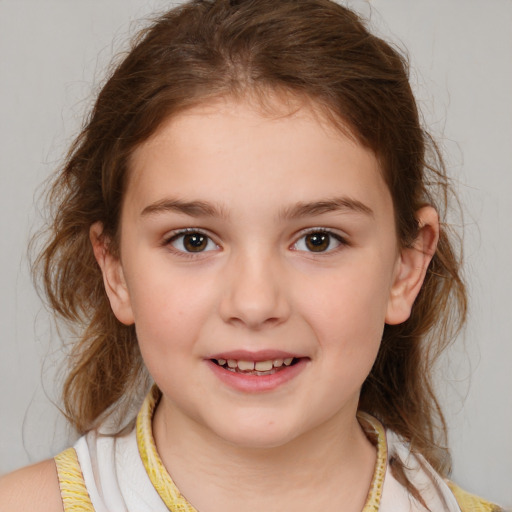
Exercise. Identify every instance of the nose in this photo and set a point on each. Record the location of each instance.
(255, 292)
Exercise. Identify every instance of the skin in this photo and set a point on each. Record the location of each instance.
(257, 285)
(31, 488)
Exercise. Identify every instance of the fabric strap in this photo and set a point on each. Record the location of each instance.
(75, 497)
(470, 503)
(154, 466)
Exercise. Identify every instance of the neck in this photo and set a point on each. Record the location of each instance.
(329, 467)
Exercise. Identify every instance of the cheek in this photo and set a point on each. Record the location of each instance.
(169, 323)
(346, 310)
(169, 308)
(354, 298)
(350, 343)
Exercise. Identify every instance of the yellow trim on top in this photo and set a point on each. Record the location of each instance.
(372, 426)
(469, 502)
(75, 497)
(176, 502)
(155, 469)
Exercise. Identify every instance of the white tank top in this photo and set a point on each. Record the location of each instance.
(125, 474)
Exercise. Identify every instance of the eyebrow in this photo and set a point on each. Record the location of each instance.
(301, 209)
(337, 204)
(191, 208)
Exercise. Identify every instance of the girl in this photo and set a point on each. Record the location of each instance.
(249, 225)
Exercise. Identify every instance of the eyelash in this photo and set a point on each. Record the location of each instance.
(180, 234)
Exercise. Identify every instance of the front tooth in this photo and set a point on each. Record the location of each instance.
(277, 363)
(288, 361)
(263, 366)
(221, 362)
(232, 363)
(246, 365)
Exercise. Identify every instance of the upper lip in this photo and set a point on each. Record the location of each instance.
(259, 355)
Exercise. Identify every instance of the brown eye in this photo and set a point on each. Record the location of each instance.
(194, 241)
(318, 242)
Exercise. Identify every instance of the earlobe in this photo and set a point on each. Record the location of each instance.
(412, 267)
(113, 275)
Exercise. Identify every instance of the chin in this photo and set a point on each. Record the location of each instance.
(256, 433)
(257, 440)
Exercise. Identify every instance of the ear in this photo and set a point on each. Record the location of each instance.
(113, 276)
(412, 267)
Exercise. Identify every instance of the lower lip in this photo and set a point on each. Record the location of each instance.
(248, 383)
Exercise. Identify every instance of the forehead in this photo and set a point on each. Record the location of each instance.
(263, 104)
(288, 150)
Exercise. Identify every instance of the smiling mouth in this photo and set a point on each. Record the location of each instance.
(268, 367)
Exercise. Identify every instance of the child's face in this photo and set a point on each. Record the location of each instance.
(255, 238)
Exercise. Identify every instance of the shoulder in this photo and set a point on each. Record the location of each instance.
(31, 488)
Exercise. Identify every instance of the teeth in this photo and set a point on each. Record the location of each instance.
(262, 366)
(247, 365)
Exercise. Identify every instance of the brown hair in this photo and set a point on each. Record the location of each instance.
(314, 49)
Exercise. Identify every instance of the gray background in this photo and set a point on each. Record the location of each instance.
(53, 54)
